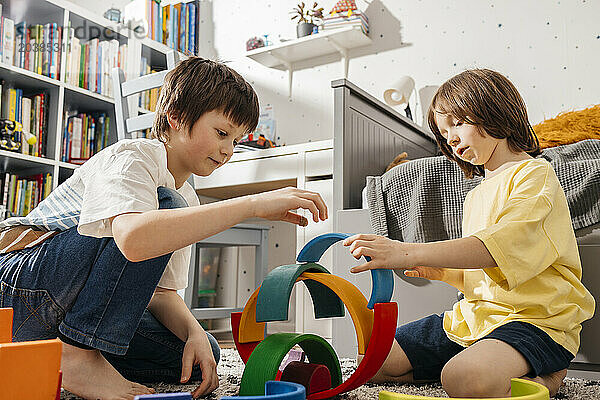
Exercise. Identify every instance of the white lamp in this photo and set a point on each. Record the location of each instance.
(400, 93)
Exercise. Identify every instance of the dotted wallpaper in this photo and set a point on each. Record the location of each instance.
(549, 49)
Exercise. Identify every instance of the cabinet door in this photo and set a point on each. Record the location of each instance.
(305, 320)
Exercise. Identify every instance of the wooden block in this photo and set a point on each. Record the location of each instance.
(248, 331)
(519, 388)
(276, 390)
(59, 385)
(354, 301)
(243, 348)
(6, 320)
(263, 364)
(383, 279)
(384, 330)
(30, 370)
(314, 377)
(166, 396)
(274, 296)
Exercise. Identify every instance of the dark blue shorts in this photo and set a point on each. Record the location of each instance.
(428, 348)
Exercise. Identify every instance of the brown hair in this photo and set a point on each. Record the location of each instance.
(197, 86)
(488, 100)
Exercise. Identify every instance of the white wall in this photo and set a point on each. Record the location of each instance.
(550, 50)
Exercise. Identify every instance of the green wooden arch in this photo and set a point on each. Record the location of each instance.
(274, 294)
(263, 364)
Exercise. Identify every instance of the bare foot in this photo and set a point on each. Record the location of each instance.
(87, 374)
(552, 381)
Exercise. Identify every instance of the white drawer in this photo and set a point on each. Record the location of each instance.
(319, 163)
(251, 171)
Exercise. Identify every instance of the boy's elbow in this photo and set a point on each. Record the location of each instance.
(132, 255)
(124, 234)
(125, 243)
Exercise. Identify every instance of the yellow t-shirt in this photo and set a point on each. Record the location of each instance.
(522, 217)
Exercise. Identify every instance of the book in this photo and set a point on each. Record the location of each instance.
(35, 119)
(55, 51)
(8, 40)
(1, 30)
(5, 189)
(12, 187)
(93, 65)
(12, 104)
(27, 49)
(45, 49)
(164, 24)
(68, 35)
(75, 152)
(26, 121)
(182, 31)
(192, 27)
(75, 62)
(18, 96)
(28, 186)
(20, 49)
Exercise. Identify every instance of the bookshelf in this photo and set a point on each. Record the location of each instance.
(62, 94)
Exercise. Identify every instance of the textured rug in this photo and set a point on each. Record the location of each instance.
(230, 371)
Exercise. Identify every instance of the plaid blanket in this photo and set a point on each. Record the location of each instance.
(422, 200)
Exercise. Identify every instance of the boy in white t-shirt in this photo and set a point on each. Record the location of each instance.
(99, 261)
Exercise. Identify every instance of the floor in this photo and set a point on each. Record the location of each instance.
(231, 369)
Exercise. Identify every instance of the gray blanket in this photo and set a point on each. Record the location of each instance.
(422, 200)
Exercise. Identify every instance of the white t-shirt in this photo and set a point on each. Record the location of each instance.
(120, 179)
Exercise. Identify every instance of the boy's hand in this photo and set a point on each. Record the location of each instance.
(385, 253)
(197, 351)
(278, 205)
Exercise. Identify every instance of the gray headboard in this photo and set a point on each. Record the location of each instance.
(368, 134)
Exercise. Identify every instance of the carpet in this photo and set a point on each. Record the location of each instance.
(230, 371)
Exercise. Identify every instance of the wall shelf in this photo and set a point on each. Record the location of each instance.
(284, 55)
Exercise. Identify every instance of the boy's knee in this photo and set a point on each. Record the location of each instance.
(468, 379)
(169, 198)
(216, 350)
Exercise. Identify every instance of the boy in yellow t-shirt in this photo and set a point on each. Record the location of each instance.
(517, 262)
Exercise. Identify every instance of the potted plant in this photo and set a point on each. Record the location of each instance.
(306, 18)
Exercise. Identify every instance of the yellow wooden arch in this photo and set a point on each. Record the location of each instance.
(521, 389)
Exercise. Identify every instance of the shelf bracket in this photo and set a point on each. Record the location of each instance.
(290, 70)
(343, 52)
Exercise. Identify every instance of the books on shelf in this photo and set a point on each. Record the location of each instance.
(339, 21)
(148, 98)
(20, 195)
(36, 48)
(89, 64)
(174, 25)
(39, 48)
(31, 111)
(84, 135)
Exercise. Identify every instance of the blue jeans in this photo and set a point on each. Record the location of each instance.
(84, 289)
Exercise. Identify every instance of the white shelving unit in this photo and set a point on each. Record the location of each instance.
(64, 96)
(284, 55)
